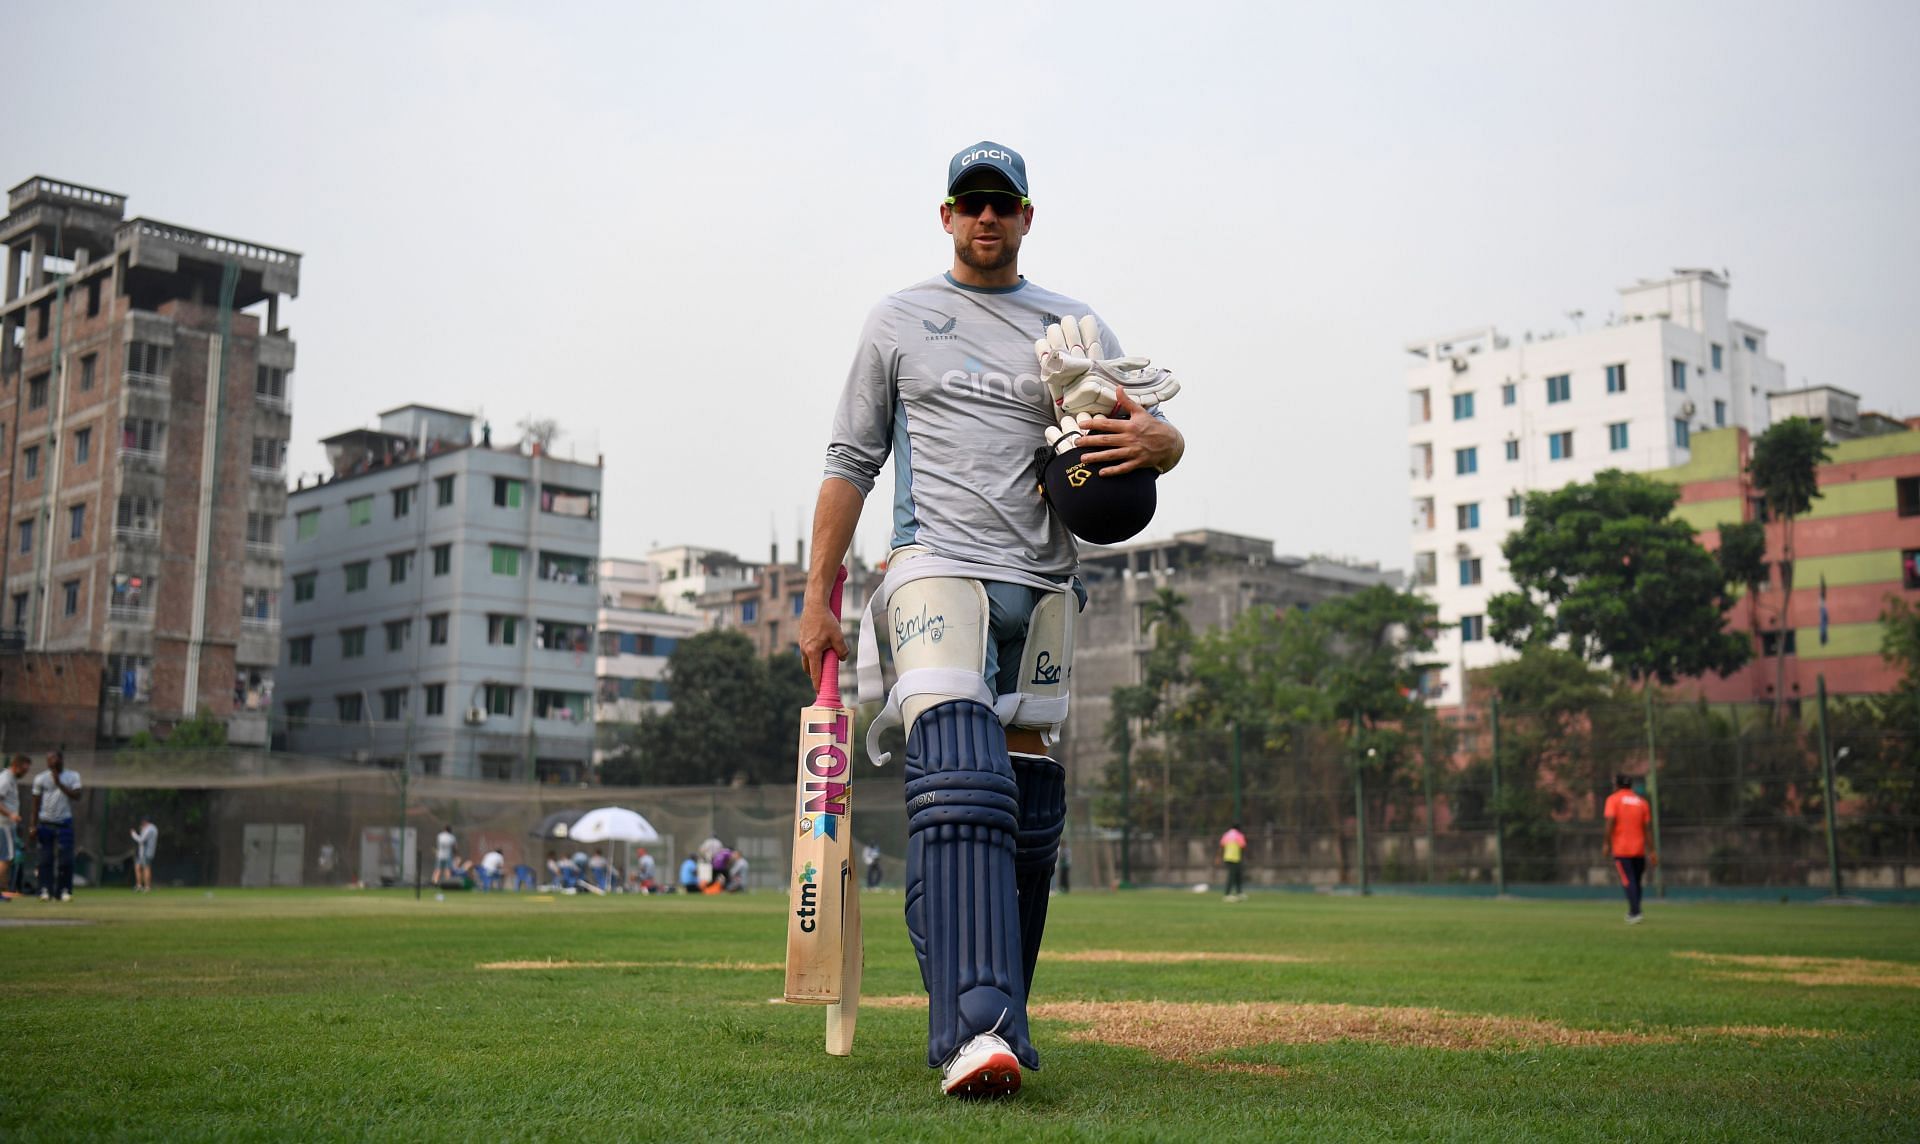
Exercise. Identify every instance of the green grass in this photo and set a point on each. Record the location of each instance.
(320, 1014)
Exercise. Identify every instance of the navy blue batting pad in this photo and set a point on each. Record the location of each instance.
(1042, 787)
(963, 911)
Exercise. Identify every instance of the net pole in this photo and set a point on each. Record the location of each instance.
(1826, 779)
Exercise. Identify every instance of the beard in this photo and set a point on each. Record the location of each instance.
(1008, 255)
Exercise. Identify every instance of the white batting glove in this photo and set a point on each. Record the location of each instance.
(1083, 384)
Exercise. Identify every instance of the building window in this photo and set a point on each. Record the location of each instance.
(442, 559)
(1466, 461)
(1473, 629)
(437, 628)
(1617, 436)
(507, 492)
(503, 631)
(749, 611)
(402, 502)
(1469, 571)
(37, 392)
(1679, 373)
(82, 446)
(1423, 514)
(258, 603)
(1560, 445)
(1906, 492)
(70, 602)
(303, 586)
(300, 650)
(797, 601)
(359, 511)
(506, 560)
(500, 699)
(1517, 505)
(435, 695)
(1909, 570)
(1715, 348)
(1466, 517)
(1559, 388)
(270, 382)
(147, 361)
(1752, 343)
(260, 529)
(568, 706)
(1426, 570)
(398, 565)
(1770, 643)
(357, 576)
(1509, 393)
(393, 704)
(347, 707)
(306, 525)
(353, 643)
(76, 521)
(137, 514)
(1720, 414)
(86, 371)
(1617, 378)
(142, 435)
(20, 610)
(1682, 436)
(1463, 407)
(269, 454)
(1513, 450)
(562, 501)
(1419, 407)
(442, 491)
(397, 633)
(297, 712)
(26, 537)
(30, 458)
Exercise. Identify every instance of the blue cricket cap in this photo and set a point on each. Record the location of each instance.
(989, 156)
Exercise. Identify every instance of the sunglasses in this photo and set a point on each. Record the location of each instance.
(973, 202)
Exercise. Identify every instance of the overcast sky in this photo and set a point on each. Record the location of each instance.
(661, 225)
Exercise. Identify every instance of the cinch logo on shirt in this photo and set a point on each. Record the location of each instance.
(1026, 387)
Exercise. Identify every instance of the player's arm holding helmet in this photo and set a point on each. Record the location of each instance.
(1098, 402)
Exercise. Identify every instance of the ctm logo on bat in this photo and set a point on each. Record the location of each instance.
(826, 786)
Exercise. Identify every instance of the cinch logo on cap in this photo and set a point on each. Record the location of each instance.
(1003, 156)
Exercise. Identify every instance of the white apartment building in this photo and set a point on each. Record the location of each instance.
(637, 636)
(687, 573)
(1492, 420)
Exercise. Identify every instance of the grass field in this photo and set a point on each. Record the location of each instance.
(333, 1014)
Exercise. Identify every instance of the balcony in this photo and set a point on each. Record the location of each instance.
(266, 473)
(133, 534)
(263, 549)
(150, 460)
(260, 623)
(156, 381)
(131, 615)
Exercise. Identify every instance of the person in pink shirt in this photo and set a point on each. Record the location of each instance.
(1233, 847)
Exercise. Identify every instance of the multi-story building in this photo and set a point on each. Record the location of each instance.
(145, 406)
(691, 577)
(637, 636)
(1858, 546)
(1220, 574)
(1493, 420)
(441, 603)
(766, 609)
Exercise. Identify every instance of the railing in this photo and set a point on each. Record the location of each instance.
(141, 380)
(211, 243)
(269, 473)
(105, 200)
(279, 403)
(259, 624)
(130, 613)
(133, 456)
(135, 532)
(266, 548)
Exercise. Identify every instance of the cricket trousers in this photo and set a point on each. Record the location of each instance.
(56, 841)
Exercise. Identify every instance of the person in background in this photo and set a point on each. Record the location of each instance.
(10, 776)
(1628, 817)
(54, 790)
(597, 870)
(648, 873)
(144, 841)
(443, 844)
(690, 875)
(1066, 867)
(493, 867)
(1233, 846)
(871, 857)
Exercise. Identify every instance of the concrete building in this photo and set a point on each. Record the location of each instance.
(637, 636)
(1492, 420)
(1856, 548)
(145, 406)
(1221, 574)
(441, 603)
(691, 578)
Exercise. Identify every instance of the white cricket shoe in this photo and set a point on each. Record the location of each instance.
(984, 1067)
(1635, 919)
(66, 895)
(45, 896)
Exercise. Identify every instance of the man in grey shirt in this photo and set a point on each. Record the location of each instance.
(145, 840)
(946, 384)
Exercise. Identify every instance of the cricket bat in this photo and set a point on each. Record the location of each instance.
(823, 922)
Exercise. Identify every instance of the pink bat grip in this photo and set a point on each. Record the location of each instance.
(829, 695)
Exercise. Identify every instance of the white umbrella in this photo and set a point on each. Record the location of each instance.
(612, 824)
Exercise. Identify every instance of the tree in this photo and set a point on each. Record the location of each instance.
(539, 432)
(1607, 568)
(732, 720)
(1743, 560)
(1785, 467)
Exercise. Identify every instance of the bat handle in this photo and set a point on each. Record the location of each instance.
(829, 695)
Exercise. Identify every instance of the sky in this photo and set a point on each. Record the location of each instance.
(661, 225)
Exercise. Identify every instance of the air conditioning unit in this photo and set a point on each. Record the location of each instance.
(1461, 549)
(476, 715)
(1686, 409)
(1459, 364)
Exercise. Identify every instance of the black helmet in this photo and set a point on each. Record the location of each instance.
(1101, 510)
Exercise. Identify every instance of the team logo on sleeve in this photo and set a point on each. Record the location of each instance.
(941, 333)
